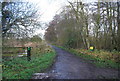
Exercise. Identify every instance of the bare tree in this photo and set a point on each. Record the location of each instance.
(19, 17)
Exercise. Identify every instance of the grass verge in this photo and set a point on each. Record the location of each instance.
(20, 68)
(94, 58)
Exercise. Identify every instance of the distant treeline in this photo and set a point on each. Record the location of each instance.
(81, 25)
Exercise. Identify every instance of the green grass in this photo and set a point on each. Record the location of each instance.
(20, 68)
(95, 60)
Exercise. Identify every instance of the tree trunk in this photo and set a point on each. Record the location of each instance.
(118, 22)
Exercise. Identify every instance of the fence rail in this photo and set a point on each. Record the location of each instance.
(14, 51)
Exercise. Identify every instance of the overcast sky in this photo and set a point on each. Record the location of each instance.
(48, 9)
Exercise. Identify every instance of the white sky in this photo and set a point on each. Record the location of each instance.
(48, 9)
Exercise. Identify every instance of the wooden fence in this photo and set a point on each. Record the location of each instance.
(14, 52)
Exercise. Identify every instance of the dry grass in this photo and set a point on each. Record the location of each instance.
(103, 55)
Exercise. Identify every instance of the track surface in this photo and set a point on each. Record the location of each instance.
(69, 66)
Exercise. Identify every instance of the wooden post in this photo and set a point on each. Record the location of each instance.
(29, 53)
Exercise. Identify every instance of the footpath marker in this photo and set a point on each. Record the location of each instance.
(91, 48)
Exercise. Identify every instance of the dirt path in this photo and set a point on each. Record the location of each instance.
(69, 66)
